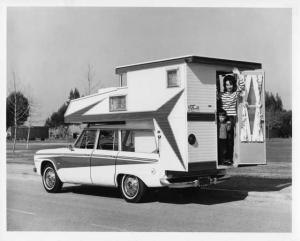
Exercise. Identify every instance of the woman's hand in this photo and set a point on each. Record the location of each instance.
(238, 73)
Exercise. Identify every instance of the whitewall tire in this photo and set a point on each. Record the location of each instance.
(132, 188)
(51, 181)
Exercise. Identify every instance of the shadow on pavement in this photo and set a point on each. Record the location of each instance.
(236, 189)
(254, 184)
(93, 190)
(164, 195)
(195, 195)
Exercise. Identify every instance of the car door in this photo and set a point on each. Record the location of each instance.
(251, 120)
(103, 159)
(74, 165)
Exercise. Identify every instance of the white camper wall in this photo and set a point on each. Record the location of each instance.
(147, 88)
(147, 91)
(145, 142)
(201, 92)
(201, 86)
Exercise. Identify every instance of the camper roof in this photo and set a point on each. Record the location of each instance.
(188, 59)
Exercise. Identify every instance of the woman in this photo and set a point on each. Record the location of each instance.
(228, 100)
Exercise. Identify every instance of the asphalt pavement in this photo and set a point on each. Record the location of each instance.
(255, 199)
(90, 208)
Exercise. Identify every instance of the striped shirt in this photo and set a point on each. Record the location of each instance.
(228, 100)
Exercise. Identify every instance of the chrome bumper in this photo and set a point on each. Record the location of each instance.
(201, 182)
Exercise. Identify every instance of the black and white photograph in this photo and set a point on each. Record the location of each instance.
(158, 121)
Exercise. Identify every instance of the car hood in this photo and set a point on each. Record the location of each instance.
(52, 151)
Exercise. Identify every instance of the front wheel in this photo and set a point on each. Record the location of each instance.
(51, 181)
(132, 188)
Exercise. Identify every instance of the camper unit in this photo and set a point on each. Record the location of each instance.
(167, 109)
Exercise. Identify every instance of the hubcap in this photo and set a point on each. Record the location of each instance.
(131, 186)
(49, 178)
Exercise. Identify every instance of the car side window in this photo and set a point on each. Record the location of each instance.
(108, 140)
(86, 140)
(127, 140)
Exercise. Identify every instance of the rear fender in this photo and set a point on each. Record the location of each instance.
(149, 174)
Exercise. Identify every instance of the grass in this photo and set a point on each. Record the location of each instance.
(279, 150)
(279, 162)
(279, 158)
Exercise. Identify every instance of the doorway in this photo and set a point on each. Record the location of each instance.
(226, 126)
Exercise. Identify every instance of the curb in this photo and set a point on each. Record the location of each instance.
(271, 195)
(251, 195)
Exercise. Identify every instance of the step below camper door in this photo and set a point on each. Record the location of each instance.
(251, 135)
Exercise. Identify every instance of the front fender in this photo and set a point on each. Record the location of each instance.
(39, 162)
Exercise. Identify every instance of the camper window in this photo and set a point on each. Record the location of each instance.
(86, 140)
(173, 77)
(108, 140)
(117, 103)
(138, 141)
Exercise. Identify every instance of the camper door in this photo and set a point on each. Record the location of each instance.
(251, 134)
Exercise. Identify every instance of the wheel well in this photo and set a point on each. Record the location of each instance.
(119, 177)
(44, 164)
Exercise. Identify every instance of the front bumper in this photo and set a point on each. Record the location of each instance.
(200, 182)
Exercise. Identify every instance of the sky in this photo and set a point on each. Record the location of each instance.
(49, 49)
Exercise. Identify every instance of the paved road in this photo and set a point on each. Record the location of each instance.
(86, 208)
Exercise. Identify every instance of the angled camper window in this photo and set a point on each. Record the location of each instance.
(117, 103)
(173, 77)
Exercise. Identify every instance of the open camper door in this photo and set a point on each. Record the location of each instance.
(251, 138)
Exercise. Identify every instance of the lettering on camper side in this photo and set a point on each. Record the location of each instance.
(193, 108)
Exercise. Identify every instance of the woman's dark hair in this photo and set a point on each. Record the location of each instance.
(231, 80)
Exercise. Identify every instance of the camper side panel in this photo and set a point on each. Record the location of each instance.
(201, 87)
(148, 91)
(205, 149)
(201, 101)
(201, 116)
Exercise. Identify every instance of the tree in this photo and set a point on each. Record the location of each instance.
(273, 103)
(285, 129)
(17, 109)
(74, 94)
(278, 103)
(276, 117)
(56, 120)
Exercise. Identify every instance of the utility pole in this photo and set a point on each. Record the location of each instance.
(89, 78)
(28, 133)
(15, 134)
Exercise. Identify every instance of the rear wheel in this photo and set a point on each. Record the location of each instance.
(132, 188)
(51, 181)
